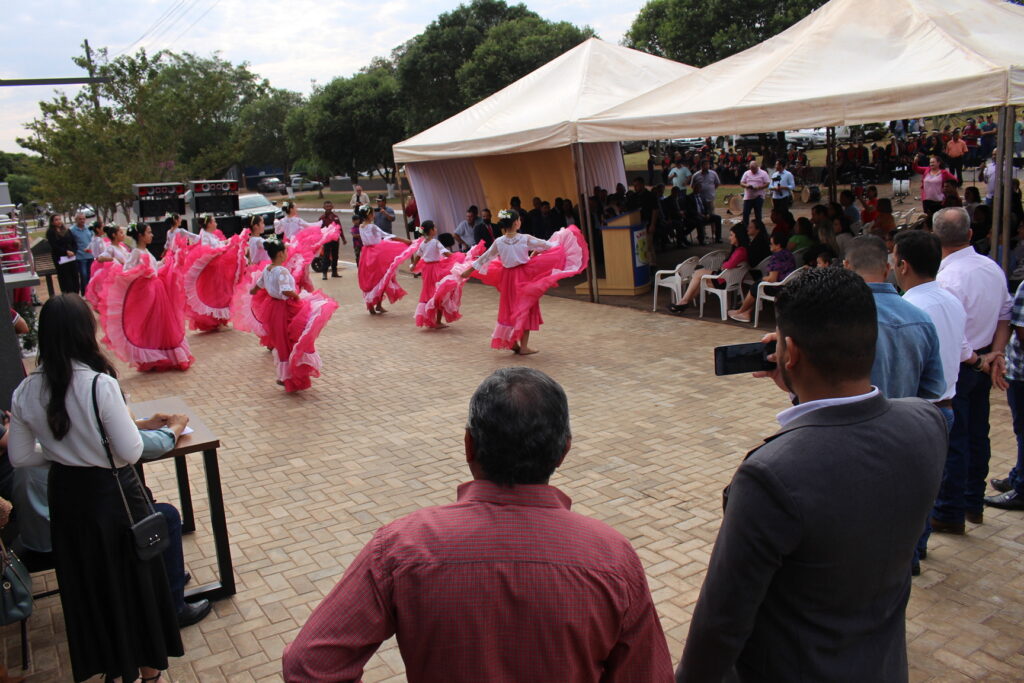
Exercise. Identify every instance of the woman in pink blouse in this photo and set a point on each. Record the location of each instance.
(931, 184)
(737, 257)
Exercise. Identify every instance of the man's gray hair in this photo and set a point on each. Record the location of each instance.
(867, 255)
(519, 424)
(952, 225)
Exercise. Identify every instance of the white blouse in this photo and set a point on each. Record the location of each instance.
(370, 234)
(208, 239)
(514, 251)
(432, 251)
(190, 237)
(276, 280)
(290, 225)
(81, 446)
(97, 246)
(117, 253)
(137, 256)
(256, 251)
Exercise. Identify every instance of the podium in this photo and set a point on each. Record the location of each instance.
(627, 254)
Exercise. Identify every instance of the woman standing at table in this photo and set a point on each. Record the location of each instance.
(62, 246)
(118, 611)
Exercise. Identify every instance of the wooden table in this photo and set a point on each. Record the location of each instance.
(204, 441)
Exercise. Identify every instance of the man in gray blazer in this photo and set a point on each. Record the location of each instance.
(810, 575)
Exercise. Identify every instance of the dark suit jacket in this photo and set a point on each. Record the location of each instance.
(810, 574)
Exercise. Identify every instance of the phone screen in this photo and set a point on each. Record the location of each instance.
(743, 358)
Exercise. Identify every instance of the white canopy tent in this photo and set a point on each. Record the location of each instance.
(522, 139)
(849, 62)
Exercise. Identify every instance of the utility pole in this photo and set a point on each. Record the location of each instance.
(92, 74)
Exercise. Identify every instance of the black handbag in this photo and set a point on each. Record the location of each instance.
(15, 588)
(149, 534)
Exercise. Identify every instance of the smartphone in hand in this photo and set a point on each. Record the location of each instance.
(738, 359)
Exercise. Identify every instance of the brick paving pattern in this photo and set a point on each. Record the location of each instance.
(309, 477)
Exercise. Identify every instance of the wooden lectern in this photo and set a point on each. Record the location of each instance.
(627, 251)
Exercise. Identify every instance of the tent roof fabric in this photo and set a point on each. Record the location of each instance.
(540, 110)
(848, 62)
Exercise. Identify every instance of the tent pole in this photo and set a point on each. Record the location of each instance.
(401, 194)
(1006, 184)
(830, 161)
(584, 211)
(998, 196)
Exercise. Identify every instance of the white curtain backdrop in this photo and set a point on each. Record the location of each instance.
(444, 190)
(603, 165)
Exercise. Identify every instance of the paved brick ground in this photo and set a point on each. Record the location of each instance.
(309, 477)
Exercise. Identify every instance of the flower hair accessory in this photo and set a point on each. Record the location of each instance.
(507, 215)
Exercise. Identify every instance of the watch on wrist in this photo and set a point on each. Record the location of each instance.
(977, 364)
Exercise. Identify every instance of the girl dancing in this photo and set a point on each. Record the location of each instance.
(377, 277)
(114, 252)
(211, 269)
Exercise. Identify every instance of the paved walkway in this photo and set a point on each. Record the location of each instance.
(309, 477)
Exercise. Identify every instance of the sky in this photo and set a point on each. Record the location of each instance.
(292, 43)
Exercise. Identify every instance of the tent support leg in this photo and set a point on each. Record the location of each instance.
(584, 211)
(830, 162)
(401, 195)
(1006, 185)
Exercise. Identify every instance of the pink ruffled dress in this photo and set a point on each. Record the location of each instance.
(142, 314)
(290, 327)
(96, 289)
(210, 271)
(521, 279)
(378, 265)
(435, 264)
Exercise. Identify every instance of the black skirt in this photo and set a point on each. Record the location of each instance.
(118, 610)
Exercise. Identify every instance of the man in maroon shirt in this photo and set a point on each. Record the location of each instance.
(506, 584)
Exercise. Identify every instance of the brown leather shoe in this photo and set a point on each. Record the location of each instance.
(975, 517)
(940, 527)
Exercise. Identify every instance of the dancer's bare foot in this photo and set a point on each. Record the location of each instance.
(440, 326)
(526, 351)
(380, 309)
(280, 383)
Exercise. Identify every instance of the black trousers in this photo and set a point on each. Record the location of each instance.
(331, 257)
(956, 167)
(67, 277)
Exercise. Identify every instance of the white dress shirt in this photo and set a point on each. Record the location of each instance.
(980, 286)
(276, 280)
(370, 234)
(514, 251)
(431, 251)
(81, 446)
(208, 239)
(790, 414)
(950, 320)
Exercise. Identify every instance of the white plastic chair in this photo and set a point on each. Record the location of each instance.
(761, 267)
(674, 279)
(733, 278)
(798, 255)
(713, 260)
(764, 287)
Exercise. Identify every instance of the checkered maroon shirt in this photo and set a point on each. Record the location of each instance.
(504, 585)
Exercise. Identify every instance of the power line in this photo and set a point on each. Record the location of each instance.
(198, 19)
(161, 19)
(157, 38)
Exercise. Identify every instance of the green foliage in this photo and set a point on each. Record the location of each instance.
(352, 122)
(428, 65)
(161, 117)
(262, 129)
(701, 32)
(19, 172)
(513, 49)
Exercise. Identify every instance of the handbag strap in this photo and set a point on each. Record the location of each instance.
(110, 457)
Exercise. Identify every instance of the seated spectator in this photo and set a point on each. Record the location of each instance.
(840, 227)
(485, 230)
(884, 222)
(464, 230)
(549, 222)
(783, 222)
(737, 257)
(534, 224)
(823, 230)
(506, 584)
(780, 265)
(803, 235)
(819, 256)
(951, 194)
(869, 202)
(981, 226)
(671, 226)
(569, 214)
(759, 248)
(846, 203)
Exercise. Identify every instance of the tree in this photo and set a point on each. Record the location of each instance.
(353, 122)
(19, 172)
(427, 66)
(513, 49)
(262, 129)
(701, 32)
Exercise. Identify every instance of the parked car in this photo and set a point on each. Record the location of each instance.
(688, 143)
(300, 184)
(87, 210)
(631, 146)
(270, 184)
(257, 204)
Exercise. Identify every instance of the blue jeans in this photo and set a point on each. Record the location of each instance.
(963, 480)
(756, 204)
(1015, 397)
(922, 543)
(84, 270)
(174, 559)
